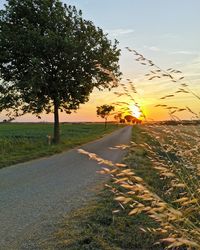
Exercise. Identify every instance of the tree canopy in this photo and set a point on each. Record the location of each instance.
(48, 58)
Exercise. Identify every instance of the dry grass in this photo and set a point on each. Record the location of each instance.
(96, 227)
(171, 194)
(175, 204)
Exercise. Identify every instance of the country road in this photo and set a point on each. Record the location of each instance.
(33, 195)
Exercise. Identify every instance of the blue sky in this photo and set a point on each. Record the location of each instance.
(165, 31)
(151, 26)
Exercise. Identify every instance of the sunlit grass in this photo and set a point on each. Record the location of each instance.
(162, 175)
(160, 180)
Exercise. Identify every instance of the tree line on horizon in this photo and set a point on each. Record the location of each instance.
(105, 110)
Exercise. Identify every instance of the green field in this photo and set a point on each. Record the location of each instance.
(20, 142)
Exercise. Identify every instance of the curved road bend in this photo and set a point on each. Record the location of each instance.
(38, 192)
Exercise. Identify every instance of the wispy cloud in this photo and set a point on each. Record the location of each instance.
(152, 48)
(184, 52)
(119, 32)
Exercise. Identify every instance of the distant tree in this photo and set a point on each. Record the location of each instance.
(104, 111)
(129, 118)
(8, 120)
(122, 121)
(132, 119)
(118, 117)
(138, 121)
(48, 58)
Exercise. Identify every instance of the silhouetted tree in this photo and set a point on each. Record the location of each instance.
(132, 119)
(49, 56)
(138, 121)
(129, 118)
(118, 117)
(104, 111)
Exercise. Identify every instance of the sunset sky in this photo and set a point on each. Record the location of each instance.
(167, 32)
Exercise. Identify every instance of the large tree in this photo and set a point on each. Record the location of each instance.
(51, 58)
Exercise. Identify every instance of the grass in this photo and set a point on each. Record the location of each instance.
(95, 227)
(171, 194)
(104, 225)
(23, 142)
(167, 189)
(99, 225)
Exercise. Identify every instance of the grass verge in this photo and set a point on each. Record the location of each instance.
(95, 227)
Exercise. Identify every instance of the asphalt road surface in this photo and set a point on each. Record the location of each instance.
(33, 195)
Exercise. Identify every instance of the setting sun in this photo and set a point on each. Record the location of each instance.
(135, 110)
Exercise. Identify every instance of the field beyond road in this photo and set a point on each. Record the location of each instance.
(20, 142)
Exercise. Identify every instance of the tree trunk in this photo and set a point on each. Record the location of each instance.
(56, 138)
(105, 123)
